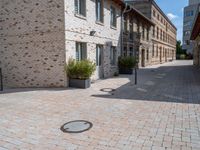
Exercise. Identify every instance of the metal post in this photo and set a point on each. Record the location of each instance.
(1, 80)
(137, 58)
(135, 75)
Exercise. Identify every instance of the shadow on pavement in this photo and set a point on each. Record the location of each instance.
(179, 84)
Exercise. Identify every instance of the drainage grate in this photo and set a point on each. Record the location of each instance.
(107, 90)
(77, 126)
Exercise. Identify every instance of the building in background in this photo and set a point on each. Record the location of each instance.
(137, 36)
(163, 33)
(195, 37)
(189, 18)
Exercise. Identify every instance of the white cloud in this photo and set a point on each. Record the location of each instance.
(171, 16)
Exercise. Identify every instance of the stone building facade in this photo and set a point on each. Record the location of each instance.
(163, 33)
(104, 46)
(38, 37)
(137, 36)
(32, 43)
(195, 37)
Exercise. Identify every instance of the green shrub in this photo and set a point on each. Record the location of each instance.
(80, 69)
(127, 62)
(182, 56)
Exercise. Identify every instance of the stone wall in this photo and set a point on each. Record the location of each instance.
(32, 43)
(78, 30)
(196, 50)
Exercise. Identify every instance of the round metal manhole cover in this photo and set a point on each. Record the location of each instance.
(107, 90)
(77, 126)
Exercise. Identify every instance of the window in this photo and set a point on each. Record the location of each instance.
(80, 7)
(186, 33)
(157, 33)
(81, 51)
(160, 34)
(143, 32)
(188, 23)
(113, 55)
(154, 13)
(125, 51)
(147, 54)
(153, 50)
(113, 20)
(157, 51)
(125, 25)
(99, 49)
(138, 27)
(187, 42)
(99, 11)
(131, 31)
(131, 51)
(147, 34)
(153, 31)
(158, 17)
(189, 13)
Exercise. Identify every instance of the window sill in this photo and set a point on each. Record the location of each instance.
(113, 66)
(100, 23)
(113, 27)
(80, 16)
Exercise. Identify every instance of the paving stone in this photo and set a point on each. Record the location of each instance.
(165, 117)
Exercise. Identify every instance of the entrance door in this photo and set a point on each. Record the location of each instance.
(143, 58)
(99, 61)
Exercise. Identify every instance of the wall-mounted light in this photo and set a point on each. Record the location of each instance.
(92, 33)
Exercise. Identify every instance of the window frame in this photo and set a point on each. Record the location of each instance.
(99, 53)
(113, 17)
(99, 11)
(113, 55)
(78, 7)
(80, 48)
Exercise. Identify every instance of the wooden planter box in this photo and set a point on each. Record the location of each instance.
(77, 83)
(125, 71)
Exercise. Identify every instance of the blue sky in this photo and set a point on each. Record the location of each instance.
(174, 9)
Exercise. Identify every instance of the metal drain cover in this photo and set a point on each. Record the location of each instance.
(77, 126)
(107, 90)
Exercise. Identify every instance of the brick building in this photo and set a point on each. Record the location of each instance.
(195, 37)
(163, 33)
(37, 39)
(137, 36)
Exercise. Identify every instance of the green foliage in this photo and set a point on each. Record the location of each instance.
(182, 56)
(179, 49)
(127, 62)
(80, 69)
(116, 74)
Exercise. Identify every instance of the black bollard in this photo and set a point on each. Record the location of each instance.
(1, 80)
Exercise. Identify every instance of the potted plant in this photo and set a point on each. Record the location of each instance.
(126, 64)
(79, 73)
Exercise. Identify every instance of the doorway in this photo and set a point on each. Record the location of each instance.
(99, 61)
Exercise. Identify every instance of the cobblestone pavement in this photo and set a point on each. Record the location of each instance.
(161, 113)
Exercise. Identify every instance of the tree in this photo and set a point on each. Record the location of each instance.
(179, 49)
